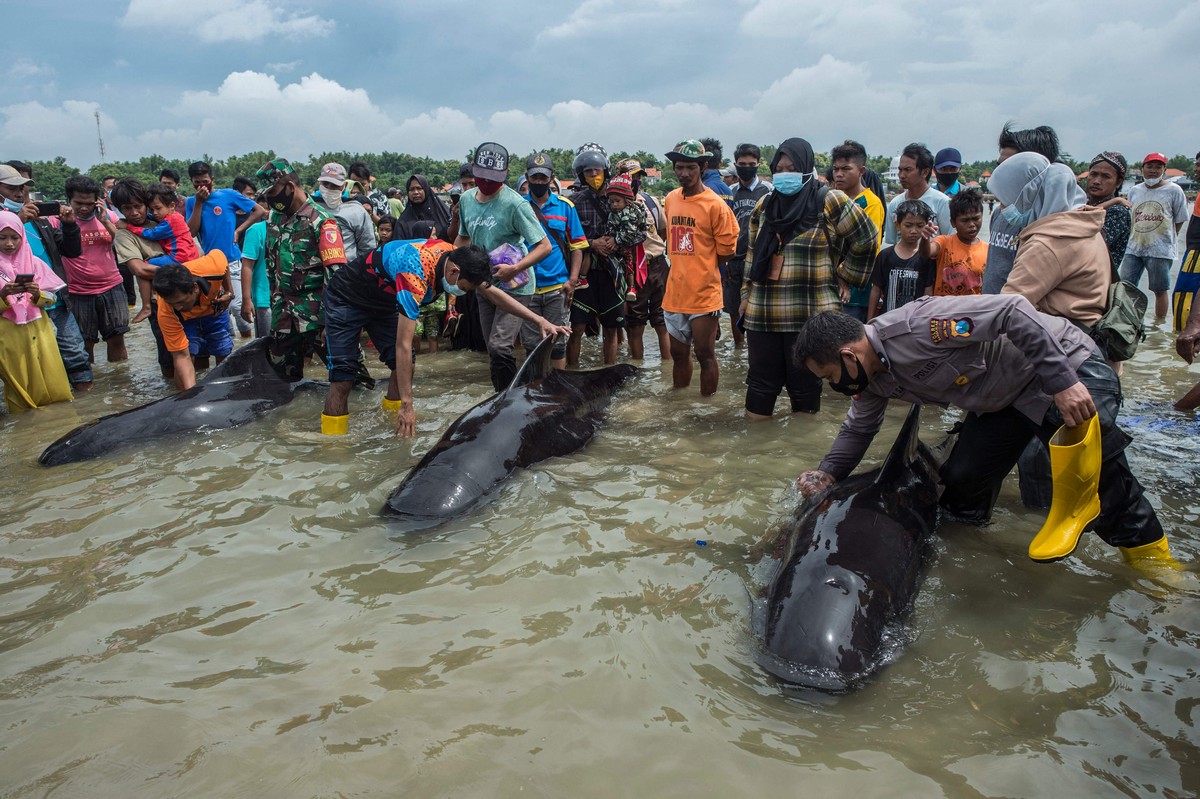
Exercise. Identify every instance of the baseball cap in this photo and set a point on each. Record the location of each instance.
(629, 166)
(539, 164)
(333, 173)
(490, 162)
(689, 150)
(11, 177)
(947, 156)
(1146, 160)
(728, 171)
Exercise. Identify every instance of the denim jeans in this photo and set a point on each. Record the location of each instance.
(70, 344)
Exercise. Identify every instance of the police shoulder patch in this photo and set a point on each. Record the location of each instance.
(943, 329)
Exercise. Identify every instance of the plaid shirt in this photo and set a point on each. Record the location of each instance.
(808, 284)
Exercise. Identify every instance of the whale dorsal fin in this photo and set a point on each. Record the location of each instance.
(904, 451)
(536, 366)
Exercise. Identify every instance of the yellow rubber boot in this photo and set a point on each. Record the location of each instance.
(1155, 555)
(391, 406)
(335, 425)
(1075, 468)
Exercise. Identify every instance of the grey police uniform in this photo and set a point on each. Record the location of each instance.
(998, 358)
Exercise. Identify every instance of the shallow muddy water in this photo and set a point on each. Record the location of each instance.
(229, 616)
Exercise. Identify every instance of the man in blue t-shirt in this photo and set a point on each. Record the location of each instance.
(556, 277)
(218, 217)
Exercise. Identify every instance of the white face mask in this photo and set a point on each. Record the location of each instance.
(332, 196)
(1152, 182)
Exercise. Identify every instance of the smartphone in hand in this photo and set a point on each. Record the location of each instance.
(24, 279)
(47, 209)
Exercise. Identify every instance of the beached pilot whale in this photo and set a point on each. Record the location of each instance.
(238, 390)
(852, 566)
(544, 412)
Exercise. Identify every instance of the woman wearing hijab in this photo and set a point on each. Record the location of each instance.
(423, 206)
(1062, 264)
(803, 238)
(1104, 178)
(30, 365)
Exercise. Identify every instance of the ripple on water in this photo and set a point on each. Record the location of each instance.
(230, 616)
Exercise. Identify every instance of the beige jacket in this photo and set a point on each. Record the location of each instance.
(1062, 266)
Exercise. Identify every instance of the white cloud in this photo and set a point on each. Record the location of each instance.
(223, 21)
(24, 69)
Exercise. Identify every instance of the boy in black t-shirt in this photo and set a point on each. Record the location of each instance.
(901, 273)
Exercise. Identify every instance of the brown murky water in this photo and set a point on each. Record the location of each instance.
(228, 617)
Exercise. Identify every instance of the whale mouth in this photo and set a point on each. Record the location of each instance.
(796, 677)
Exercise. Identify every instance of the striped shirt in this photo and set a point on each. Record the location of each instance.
(808, 283)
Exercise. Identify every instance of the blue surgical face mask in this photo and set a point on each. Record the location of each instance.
(451, 288)
(1015, 218)
(12, 205)
(789, 182)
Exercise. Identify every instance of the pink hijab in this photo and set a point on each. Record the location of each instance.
(23, 307)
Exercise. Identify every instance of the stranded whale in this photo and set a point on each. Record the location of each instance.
(544, 412)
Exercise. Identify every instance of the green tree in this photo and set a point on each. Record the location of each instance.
(1182, 162)
(50, 177)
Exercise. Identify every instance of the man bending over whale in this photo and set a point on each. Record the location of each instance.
(383, 294)
(1017, 372)
(193, 299)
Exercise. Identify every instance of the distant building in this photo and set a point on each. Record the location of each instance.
(893, 171)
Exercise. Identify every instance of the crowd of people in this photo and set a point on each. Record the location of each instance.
(821, 278)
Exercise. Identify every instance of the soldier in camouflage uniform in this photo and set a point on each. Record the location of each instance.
(304, 246)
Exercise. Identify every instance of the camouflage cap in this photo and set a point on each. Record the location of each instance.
(273, 169)
(689, 150)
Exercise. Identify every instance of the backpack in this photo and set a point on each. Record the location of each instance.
(1122, 326)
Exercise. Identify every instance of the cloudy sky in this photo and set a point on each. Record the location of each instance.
(184, 78)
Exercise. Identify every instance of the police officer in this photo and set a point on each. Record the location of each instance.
(1018, 373)
(304, 246)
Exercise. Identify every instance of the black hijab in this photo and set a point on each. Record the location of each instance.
(784, 217)
(432, 210)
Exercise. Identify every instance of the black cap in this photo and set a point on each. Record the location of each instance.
(491, 162)
(539, 164)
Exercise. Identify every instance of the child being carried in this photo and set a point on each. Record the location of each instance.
(627, 225)
(172, 232)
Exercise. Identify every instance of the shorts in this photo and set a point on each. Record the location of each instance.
(209, 335)
(1158, 271)
(599, 300)
(344, 324)
(679, 325)
(648, 307)
(103, 315)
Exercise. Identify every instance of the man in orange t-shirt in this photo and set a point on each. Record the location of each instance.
(194, 297)
(702, 234)
(961, 255)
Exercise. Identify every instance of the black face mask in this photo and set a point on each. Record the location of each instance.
(637, 185)
(746, 173)
(539, 190)
(280, 200)
(851, 385)
(946, 179)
